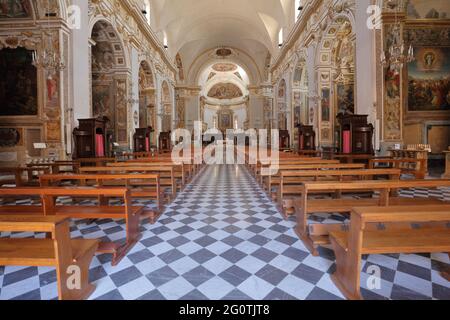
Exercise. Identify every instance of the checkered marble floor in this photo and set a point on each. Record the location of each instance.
(222, 238)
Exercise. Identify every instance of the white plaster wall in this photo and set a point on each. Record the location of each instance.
(192, 110)
(209, 117)
(365, 57)
(80, 68)
(312, 88)
(135, 86)
(256, 112)
(242, 117)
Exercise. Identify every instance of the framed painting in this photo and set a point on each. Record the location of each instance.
(14, 9)
(325, 105)
(345, 98)
(18, 83)
(225, 121)
(429, 80)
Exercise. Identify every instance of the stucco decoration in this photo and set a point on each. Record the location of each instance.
(225, 67)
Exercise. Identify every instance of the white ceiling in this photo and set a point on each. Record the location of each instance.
(195, 26)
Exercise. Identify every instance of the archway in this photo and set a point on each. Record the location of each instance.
(225, 96)
(109, 81)
(147, 113)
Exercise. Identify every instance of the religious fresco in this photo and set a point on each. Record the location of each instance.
(224, 52)
(297, 108)
(108, 51)
(225, 121)
(429, 80)
(326, 105)
(224, 91)
(345, 99)
(102, 57)
(392, 110)
(18, 83)
(428, 9)
(102, 101)
(15, 9)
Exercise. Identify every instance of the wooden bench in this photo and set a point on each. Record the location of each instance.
(315, 235)
(362, 240)
(166, 174)
(352, 158)
(183, 172)
(18, 173)
(268, 181)
(57, 250)
(295, 161)
(148, 187)
(99, 162)
(417, 167)
(131, 214)
(58, 167)
(291, 183)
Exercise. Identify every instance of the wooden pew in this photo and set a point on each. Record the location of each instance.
(268, 181)
(362, 240)
(149, 187)
(99, 162)
(315, 235)
(166, 174)
(293, 162)
(311, 153)
(417, 167)
(182, 171)
(57, 250)
(291, 182)
(131, 214)
(18, 173)
(57, 167)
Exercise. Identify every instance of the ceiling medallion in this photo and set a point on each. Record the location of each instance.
(224, 52)
(224, 67)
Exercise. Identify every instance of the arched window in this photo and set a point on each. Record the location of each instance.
(165, 41)
(280, 38)
(146, 10)
(297, 11)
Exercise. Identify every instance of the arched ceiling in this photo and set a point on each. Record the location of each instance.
(195, 26)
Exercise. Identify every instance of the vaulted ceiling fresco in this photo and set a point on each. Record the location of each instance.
(224, 91)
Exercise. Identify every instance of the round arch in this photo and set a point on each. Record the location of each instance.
(109, 75)
(97, 19)
(208, 58)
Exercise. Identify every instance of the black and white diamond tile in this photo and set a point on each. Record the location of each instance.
(222, 238)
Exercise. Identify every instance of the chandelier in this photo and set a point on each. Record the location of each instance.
(47, 58)
(397, 54)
